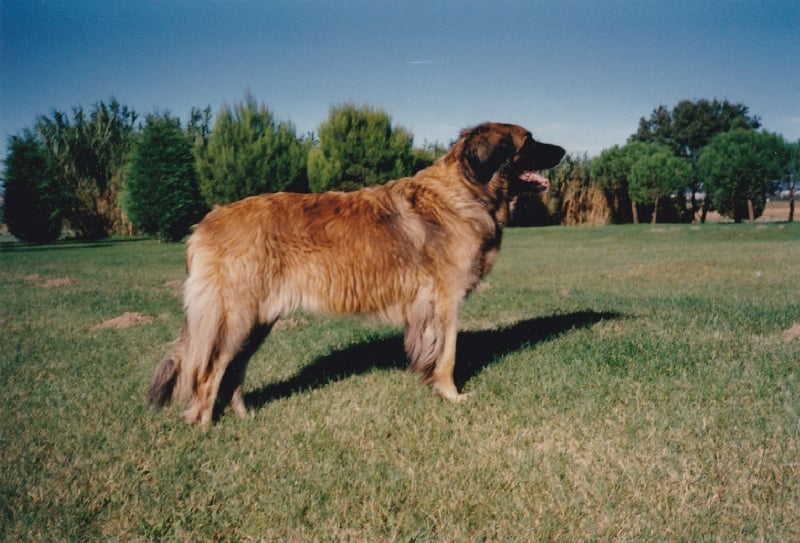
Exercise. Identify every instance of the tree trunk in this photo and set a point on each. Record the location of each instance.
(704, 210)
(635, 212)
(655, 212)
(751, 214)
(791, 203)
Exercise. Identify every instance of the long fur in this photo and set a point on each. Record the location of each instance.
(408, 251)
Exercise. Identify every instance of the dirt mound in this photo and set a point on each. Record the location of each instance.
(176, 286)
(126, 320)
(60, 282)
(792, 333)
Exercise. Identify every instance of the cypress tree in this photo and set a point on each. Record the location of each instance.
(161, 192)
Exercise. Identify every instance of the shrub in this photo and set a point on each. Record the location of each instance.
(32, 208)
(359, 147)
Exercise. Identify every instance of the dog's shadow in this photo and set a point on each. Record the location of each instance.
(475, 351)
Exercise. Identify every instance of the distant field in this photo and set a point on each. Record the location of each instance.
(778, 210)
(632, 383)
(774, 211)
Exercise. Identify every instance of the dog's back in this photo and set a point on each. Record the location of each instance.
(364, 252)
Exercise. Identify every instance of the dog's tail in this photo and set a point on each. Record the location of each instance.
(175, 376)
(171, 380)
(162, 386)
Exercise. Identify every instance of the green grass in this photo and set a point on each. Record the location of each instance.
(631, 384)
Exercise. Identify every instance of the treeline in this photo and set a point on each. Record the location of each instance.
(680, 164)
(106, 171)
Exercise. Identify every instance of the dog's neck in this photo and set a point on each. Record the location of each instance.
(493, 198)
(484, 204)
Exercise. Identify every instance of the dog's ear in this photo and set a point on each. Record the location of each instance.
(486, 149)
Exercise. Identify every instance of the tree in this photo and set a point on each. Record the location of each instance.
(689, 127)
(656, 175)
(198, 128)
(358, 147)
(612, 171)
(738, 168)
(792, 173)
(86, 155)
(248, 152)
(32, 208)
(161, 193)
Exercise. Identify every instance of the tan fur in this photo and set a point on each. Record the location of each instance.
(408, 252)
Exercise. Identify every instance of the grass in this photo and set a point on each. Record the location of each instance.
(632, 384)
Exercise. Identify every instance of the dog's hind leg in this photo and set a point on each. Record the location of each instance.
(232, 387)
(229, 343)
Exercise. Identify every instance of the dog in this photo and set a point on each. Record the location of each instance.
(408, 251)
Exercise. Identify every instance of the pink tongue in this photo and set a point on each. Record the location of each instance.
(536, 179)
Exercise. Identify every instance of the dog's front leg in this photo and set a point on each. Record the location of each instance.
(430, 340)
(442, 377)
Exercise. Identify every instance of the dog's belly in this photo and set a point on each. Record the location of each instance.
(364, 287)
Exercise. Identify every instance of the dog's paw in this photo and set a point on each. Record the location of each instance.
(197, 416)
(450, 393)
(463, 397)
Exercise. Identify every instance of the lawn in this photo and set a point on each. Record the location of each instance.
(631, 384)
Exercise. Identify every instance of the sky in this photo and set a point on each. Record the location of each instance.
(578, 73)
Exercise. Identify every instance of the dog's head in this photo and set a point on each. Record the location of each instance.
(508, 150)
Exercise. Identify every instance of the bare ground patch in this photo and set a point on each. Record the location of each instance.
(176, 286)
(792, 333)
(36, 279)
(126, 320)
(59, 282)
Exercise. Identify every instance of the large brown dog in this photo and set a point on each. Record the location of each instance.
(408, 251)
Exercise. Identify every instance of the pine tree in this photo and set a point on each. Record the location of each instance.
(359, 147)
(657, 175)
(738, 168)
(248, 152)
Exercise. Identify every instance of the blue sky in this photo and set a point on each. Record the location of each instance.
(577, 73)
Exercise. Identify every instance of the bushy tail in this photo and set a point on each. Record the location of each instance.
(162, 386)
